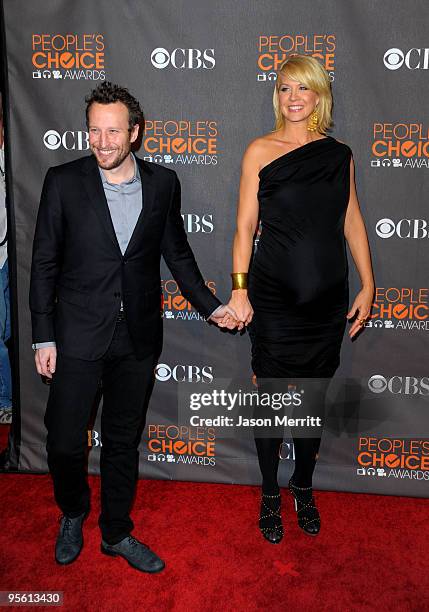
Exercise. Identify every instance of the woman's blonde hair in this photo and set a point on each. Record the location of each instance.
(308, 71)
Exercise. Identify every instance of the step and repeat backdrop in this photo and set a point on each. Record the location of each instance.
(204, 73)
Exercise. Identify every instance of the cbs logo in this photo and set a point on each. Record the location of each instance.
(414, 59)
(405, 228)
(183, 58)
(198, 223)
(399, 385)
(184, 373)
(287, 451)
(71, 141)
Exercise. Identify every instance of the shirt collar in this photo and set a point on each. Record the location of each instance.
(134, 178)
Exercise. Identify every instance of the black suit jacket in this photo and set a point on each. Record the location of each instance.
(79, 275)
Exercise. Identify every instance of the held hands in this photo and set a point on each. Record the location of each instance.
(240, 304)
(46, 359)
(238, 312)
(224, 316)
(361, 309)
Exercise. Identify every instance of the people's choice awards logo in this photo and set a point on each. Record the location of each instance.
(182, 141)
(400, 145)
(69, 140)
(68, 56)
(274, 49)
(177, 307)
(413, 59)
(393, 458)
(181, 444)
(192, 59)
(400, 308)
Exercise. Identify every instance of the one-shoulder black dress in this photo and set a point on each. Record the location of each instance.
(298, 283)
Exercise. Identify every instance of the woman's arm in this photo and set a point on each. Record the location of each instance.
(356, 236)
(247, 212)
(247, 220)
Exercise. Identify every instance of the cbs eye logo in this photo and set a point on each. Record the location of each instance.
(399, 385)
(69, 140)
(183, 58)
(184, 373)
(377, 383)
(160, 58)
(405, 228)
(385, 228)
(413, 59)
(393, 59)
(163, 372)
(52, 140)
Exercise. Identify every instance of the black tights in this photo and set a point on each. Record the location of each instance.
(268, 450)
(306, 447)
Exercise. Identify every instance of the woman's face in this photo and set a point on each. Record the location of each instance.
(296, 101)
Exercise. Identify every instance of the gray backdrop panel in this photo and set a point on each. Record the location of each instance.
(231, 98)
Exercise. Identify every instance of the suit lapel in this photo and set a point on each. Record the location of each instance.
(149, 192)
(97, 199)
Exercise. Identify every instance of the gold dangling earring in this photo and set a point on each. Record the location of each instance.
(313, 122)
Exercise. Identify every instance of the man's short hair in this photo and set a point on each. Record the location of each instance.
(109, 93)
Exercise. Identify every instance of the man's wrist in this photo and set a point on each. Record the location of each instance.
(215, 311)
(39, 345)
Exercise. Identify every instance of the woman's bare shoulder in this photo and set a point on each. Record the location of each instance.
(258, 145)
(259, 150)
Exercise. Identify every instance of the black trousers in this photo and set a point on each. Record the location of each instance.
(127, 384)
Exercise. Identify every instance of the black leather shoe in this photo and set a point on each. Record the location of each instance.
(70, 539)
(270, 520)
(136, 553)
(305, 506)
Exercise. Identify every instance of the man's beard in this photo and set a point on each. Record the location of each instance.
(113, 161)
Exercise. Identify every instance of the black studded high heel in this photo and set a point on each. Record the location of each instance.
(305, 506)
(270, 520)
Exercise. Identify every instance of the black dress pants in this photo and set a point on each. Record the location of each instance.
(127, 384)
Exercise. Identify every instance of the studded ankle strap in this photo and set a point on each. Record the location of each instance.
(299, 488)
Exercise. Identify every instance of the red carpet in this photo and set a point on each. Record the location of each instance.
(371, 553)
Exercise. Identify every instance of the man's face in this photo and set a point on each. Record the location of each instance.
(109, 135)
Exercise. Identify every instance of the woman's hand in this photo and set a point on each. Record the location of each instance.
(361, 308)
(240, 304)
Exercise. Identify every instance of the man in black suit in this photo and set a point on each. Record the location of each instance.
(103, 223)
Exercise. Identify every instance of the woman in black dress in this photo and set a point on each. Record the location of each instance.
(300, 183)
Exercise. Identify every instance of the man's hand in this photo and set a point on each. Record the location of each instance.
(46, 360)
(224, 316)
